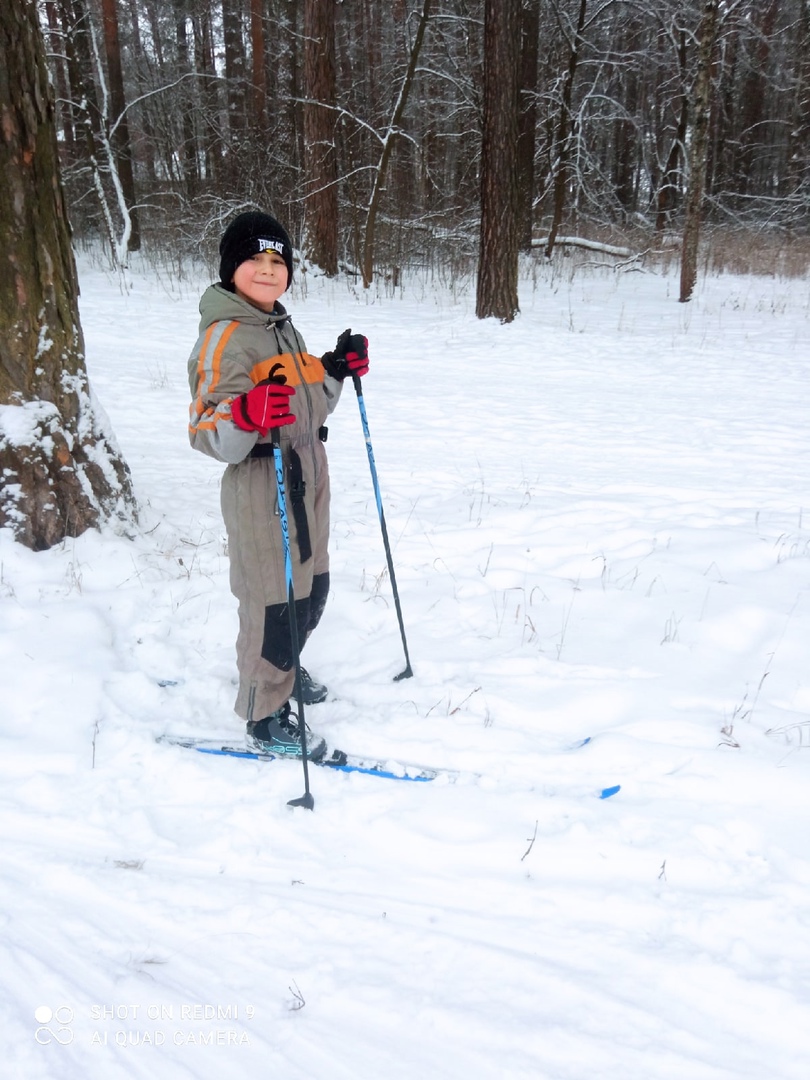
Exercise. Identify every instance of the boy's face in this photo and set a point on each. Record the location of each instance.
(261, 279)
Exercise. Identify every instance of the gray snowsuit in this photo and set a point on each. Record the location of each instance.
(240, 346)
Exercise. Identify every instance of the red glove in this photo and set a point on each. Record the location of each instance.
(357, 355)
(264, 407)
(349, 358)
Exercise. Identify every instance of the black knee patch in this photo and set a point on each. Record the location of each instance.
(317, 600)
(276, 644)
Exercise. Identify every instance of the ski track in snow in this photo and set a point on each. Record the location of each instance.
(600, 517)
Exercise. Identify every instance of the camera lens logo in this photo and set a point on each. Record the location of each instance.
(53, 1025)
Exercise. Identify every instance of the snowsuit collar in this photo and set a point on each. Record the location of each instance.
(218, 304)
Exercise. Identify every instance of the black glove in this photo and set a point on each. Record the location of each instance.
(349, 358)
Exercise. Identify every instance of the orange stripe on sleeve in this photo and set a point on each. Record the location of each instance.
(210, 418)
(203, 354)
(217, 361)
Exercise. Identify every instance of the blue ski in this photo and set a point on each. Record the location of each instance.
(348, 763)
(337, 760)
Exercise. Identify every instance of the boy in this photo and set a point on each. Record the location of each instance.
(249, 373)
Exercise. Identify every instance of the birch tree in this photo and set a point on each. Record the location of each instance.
(119, 134)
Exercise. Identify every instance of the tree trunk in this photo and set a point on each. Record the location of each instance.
(61, 471)
(118, 118)
(209, 119)
(320, 159)
(497, 293)
(258, 76)
(234, 73)
(79, 65)
(147, 156)
(625, 130)
(798, 143)
(698, 148)
(564, 132)
(530, 40)
(668, 191)
(90, 119)
(388, 147)
(64, 112)
(187, 152)
(753, 102)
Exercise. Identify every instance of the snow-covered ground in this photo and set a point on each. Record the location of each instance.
(600, 517)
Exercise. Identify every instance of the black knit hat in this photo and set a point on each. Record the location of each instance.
(247, 235)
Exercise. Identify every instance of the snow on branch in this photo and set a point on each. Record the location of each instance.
(589, 245)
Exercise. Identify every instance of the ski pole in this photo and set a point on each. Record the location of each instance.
(408, 672)
(306, 799)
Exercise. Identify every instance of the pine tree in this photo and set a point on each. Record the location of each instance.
(61, 472)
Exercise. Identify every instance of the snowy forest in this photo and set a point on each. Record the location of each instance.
(360, 124)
